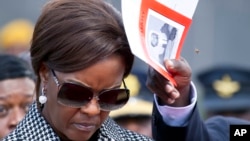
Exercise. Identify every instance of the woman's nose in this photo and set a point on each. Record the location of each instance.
(92, 107)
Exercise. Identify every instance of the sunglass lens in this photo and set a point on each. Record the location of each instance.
(113, 99)
(74, 95)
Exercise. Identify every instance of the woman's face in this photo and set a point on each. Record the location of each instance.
(81, 123)
(15, 97)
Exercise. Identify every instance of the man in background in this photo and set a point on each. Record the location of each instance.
(136, 114)
(226, 91)
(17, 86)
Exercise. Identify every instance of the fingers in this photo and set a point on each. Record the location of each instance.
(178, 67)
(162, 87)
(171, 90)
(173, 94)
(155, 82)
(167, 92)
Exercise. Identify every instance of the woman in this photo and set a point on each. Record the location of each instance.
(17, 87)
(80, 55)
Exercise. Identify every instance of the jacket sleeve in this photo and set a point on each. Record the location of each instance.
(196, 129)
(163, 132)
(216, 128)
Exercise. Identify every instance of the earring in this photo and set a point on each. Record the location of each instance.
(42, 97)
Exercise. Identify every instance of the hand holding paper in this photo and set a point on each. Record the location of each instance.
(156, 29)
(165, 90)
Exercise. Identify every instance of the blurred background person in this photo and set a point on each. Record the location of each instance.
(15, 36)
(226, 91)
(136, 115)
(17, 86)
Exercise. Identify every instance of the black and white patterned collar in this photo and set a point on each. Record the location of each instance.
(34, 127)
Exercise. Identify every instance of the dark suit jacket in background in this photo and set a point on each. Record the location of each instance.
(213, 129)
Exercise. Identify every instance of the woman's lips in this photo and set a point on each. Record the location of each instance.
(85, 126)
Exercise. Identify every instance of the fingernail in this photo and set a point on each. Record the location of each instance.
(168, 87)
(170, 64)
(175, 95)
(170, 101)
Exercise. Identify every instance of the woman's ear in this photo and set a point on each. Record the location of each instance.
(44, 73)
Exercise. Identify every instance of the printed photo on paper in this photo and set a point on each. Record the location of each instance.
(162, 37)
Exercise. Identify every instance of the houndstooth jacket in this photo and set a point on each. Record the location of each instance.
(35, 128)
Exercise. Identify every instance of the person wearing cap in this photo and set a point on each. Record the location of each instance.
(136, 114)
(15, 36)
(17, 86)
(226, 91)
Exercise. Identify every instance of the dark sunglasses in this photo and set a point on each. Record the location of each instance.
(76, 95)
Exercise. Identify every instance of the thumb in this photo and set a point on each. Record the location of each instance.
(178, 67)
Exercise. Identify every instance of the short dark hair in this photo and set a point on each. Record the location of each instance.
(74, 34)
(14, 67)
